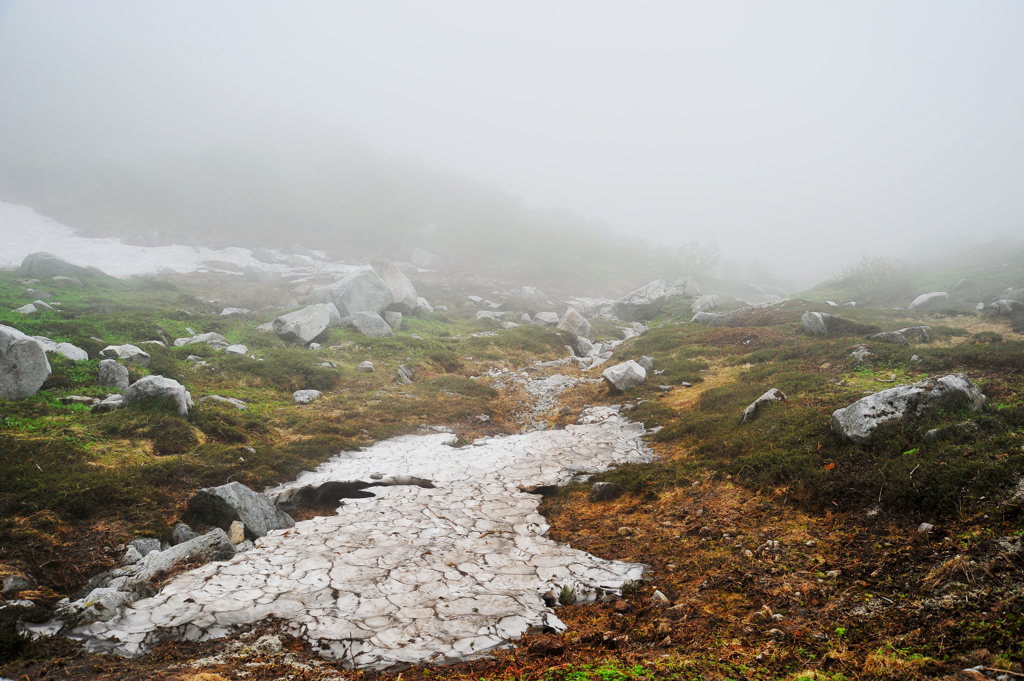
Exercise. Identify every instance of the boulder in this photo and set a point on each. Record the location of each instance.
(624, 376)
(228, 311)
(237, 349)
(423, 306)
(221, 506)
(643, 304)
(683, 288)
(213, 339)
(359, 291)
(751, 412)
(705, 303)
(1004, 308)
(67, 282)
(927, 300)
(233, 401)
(145, 545)
(183, 533)
(407, 268)
(305, 396)
(405, 373)
(647, 363)
(425, 260)
(861, 353)
(15, 584)
(72, 352)
(128, 353)
(1015, 294)
(584, 348)
(403, 293)
(709, 318)
(394, 319)
(110, 403)
(44, 265)
(922, 333)
(890, 337)
(365, 367)
(814, 323)
(26, 309)
(574, 322)
(41, 306)
(543, 319)
(32, 294)
(603, 491)
(258, 275)
(23, 364)
(371, 324)
(113, 375)
(265, 255)
(151, 388)
(859, 421)
(306, 324)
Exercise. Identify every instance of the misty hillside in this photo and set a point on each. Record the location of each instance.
(351, 202)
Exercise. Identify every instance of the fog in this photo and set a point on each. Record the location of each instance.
(801, 135)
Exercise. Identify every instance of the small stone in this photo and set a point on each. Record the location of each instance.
(925, 528)
(183, 533)
(405, 373)
(145, 545)
(624, 531)
(659, 599)
(365, 367)
(131, 556)
(603, 491)
(236, 532)
(15, 584)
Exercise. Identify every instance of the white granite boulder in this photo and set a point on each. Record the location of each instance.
(360, 291)
(213, 339)
(686, 287)
(643, 304)
(23, 364)
(543, 319)
(26, 309)
(425, 260)
(43, 265)
(709, 318)
(131, 354)
(305, 396)
(859, 421)
(67, 350)
(574, 322)
(113, 375)
(927, 300)
(403, 292)
(752, 411)
(306, 324)
(221, 506)
(624, 376)
(394, 319)
(372, 325)
(151, 388)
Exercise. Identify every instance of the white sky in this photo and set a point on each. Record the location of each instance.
(787, 131)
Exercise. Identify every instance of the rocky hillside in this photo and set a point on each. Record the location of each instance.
(668, 483)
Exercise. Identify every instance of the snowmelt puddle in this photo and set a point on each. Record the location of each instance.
(413, 573)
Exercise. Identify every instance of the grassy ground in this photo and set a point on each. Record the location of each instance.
(850, 589)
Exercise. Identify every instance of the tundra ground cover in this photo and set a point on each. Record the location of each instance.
(860, 592)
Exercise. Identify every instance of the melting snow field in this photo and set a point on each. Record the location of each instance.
(413, 573)
(23, 231)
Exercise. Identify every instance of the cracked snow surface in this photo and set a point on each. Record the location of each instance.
(412, 574)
